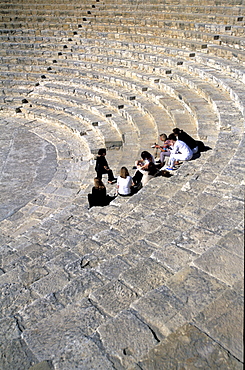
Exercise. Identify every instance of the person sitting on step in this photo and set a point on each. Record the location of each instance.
(186, 138)
(164, 149)
(146, 158)
(99, 196)
(124, 183)
(180, 152)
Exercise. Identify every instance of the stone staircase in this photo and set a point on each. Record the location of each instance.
(153, 281)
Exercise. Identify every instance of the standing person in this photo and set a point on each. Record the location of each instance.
(183, 136)
(124, 182)
(180, 152)
(164, 148)
(102, 167)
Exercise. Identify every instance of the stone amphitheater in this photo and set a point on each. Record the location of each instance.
(153, 281)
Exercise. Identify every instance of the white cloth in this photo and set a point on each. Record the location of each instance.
(180, 152)
(123, 185)
(182, 148)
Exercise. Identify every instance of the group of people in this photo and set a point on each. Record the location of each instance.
(178, 146)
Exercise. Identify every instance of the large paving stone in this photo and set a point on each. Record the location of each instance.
(222, 264)
(50, 283)
(9, 329)
(112, 268)
(82, 353)
(173, 257)
(13, 296)
(113, 297)
(197, 239)
(222, 320)
(49, 336)
(44, 365)
(145, 276)
(126, 339)
(161, 310)
(80, 287)
(15, 354)
(233, 242)
(189, 348)
(138, 250)
(195, 288)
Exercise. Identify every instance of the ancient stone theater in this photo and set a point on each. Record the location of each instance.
(147, 281)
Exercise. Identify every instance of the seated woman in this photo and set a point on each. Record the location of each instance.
(186, 138)
(124, 182)
(98, 196)
(180, 152)
(146, 158)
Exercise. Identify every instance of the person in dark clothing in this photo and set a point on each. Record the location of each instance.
(186, 138)
(102, 167)
(98, 196)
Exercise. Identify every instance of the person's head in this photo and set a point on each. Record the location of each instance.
(102, 151)
(98, 183)
(163, 137)
(172, 138)
(124, 172)
(146, 155)
(176, 131)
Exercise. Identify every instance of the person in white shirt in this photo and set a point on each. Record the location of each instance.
(180, 152)
(124, 182)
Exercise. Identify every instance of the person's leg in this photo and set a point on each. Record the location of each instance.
(163, 156)
(171, 161)
(110, 176)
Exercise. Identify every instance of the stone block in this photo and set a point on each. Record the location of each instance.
(81, 353)
(13, 296)
(196, 288)
(145, 276)
(173, 257)
(80, 287)
(197, 239)
(222, 264)
(139, 250)
(222, 320)
(189, 348)
(113, 267)
(50, 283)
(15, 354)
(118, 336)
(51, 335)
(44, 365)
(158, 309)
(113, 297)
(233, 242)
(9, 329)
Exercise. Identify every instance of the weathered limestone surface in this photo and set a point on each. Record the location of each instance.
(153, 281)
